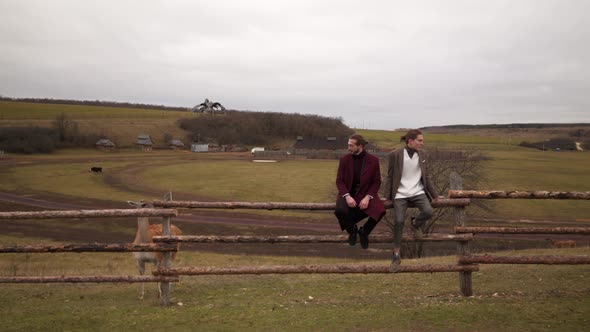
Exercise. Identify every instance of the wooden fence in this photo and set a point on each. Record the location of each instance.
(458, 200)
(92, 247)
(463, 269)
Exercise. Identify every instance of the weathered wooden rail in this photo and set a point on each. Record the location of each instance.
(304, 238)
(89, 247)
(286, 205)
(113, 213)
(540, 194)
(80, 279)
(165, 248)
(311, 269)
(522, 230)
(549, 260)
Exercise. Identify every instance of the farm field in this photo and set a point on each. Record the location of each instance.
(391, 139)
(523, 169)
(133, 175)
(121, 125)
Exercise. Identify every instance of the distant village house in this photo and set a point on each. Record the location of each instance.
(206, 147)
(176, 144)
(145, 142)
(200, 147)
(105, 144)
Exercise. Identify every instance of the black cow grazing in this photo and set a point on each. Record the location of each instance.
(96, 169)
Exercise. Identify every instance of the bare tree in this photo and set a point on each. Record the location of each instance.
(67, 128)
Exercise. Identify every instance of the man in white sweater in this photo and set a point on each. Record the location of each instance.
(408, 184)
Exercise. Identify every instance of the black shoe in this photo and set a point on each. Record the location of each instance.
(364, 238)
(395, 262)
(418, 235)
(352, 235)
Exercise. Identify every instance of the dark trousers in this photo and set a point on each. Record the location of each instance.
(348, 217)
(400, 205)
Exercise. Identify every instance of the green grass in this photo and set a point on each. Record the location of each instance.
(202, 175)
(121, 125)
(514, 298)
(34, 111)
(289, 181)
(530, 170)
(216, 177)
(391, 139)
(71, 179)
(527, 169)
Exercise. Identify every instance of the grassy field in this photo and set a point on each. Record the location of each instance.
(71, 179)
(528, 169)
(34, 111)
(121, 125)
(391, 139)
(525, 169)
(224, 177)
(243, 180)
(513, 298)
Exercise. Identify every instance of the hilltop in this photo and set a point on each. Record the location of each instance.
(123, 122)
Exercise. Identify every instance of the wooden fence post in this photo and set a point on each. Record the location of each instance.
(456, 183)
(165, 285)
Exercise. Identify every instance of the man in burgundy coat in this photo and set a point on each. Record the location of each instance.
(358, 181)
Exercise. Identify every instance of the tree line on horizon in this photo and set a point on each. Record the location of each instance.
(95, 103)
(509, 126)
(261, 128)
(63, 133)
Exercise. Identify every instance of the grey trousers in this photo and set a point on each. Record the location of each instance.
(400, 205)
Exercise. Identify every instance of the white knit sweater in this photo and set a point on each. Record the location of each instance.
(411, 184)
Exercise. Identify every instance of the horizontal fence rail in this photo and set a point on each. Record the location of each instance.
(309, 269)
(457, 199)
(489, 194)
(91, 279)
(529, 230)
(446, 202)
(432, 237)
(549, 260)
(90, 213)
(91, 247)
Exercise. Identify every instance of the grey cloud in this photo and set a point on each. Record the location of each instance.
(383, 64)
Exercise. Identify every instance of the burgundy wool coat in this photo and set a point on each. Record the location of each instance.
(369, 183)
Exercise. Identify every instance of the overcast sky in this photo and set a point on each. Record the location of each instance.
(376, 64)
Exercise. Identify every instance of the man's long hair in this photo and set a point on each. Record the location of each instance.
(411, 134)
(360, 140)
